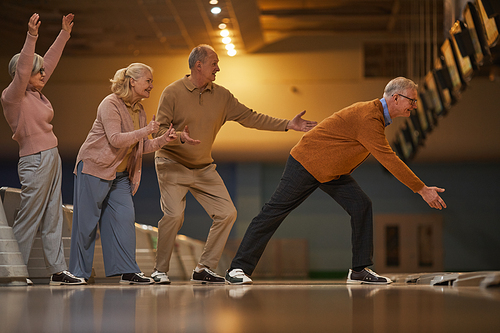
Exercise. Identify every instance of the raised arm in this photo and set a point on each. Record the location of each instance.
(34, 24)
(67, 22)
(16, 90)
(54, 53)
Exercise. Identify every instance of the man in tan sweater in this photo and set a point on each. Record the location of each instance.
(324, 158)
(198, 107)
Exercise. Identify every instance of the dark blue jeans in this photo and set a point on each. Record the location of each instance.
(295, 186)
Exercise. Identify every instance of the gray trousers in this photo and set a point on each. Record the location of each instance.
(40, 175)
(106, 204)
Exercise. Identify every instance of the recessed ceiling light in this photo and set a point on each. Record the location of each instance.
(216, 10)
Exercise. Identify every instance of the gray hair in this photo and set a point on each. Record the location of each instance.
(199, 53)
(120, 83)
(399, 85)
(37, 64)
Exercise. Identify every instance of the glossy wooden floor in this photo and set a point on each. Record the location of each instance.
(266, 306)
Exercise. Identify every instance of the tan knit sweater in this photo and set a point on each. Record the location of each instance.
(181, 104)
(341, 142)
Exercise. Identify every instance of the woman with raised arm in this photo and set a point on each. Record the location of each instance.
(29, 114)
(107, 175)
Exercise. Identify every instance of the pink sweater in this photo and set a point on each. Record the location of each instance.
(109, 139)
(27, 111)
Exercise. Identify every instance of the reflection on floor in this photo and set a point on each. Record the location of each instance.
(266, 306)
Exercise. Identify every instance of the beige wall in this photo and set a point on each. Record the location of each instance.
(276, 84)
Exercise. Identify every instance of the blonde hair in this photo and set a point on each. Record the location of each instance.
(120, 83)
(37, 64)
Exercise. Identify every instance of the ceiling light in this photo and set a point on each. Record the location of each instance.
(216, 10)
(226, 40)
(230, 47)
(231, 53)
(224, 33)
(222, 26)
(213, 2)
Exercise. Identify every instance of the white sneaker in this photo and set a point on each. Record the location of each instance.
(160, 277)
(237, 276)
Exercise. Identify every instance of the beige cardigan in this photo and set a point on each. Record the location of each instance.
(109, 139)
(341, 142)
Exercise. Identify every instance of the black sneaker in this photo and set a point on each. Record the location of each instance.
(65, 278)
(136, 278)
(206, 276)
(366, 276)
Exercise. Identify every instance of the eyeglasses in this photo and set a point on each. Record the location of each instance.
(412, 101)
(42, 71)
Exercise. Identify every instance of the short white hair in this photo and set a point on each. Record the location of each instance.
(399, 85)
(199, 53)
(37, 64)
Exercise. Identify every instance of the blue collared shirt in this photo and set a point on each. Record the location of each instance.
(387, 116)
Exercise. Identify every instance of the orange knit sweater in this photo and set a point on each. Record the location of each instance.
(341, 142)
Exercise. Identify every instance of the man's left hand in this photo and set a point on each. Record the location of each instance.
(301, 125)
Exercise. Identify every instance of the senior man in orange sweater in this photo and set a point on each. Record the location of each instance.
(324, 158)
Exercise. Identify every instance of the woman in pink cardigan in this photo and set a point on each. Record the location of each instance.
(29, 114)
(107, 174)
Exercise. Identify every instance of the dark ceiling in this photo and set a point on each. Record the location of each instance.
(169, 27)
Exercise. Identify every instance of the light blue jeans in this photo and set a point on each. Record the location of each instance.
(106, 204)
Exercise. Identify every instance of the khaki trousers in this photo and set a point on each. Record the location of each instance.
(208, 188)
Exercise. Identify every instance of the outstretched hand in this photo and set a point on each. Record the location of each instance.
(34, 24)
(186, 138)
(301, 125)
(170, 134)
(67, 22)
(431, 196)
